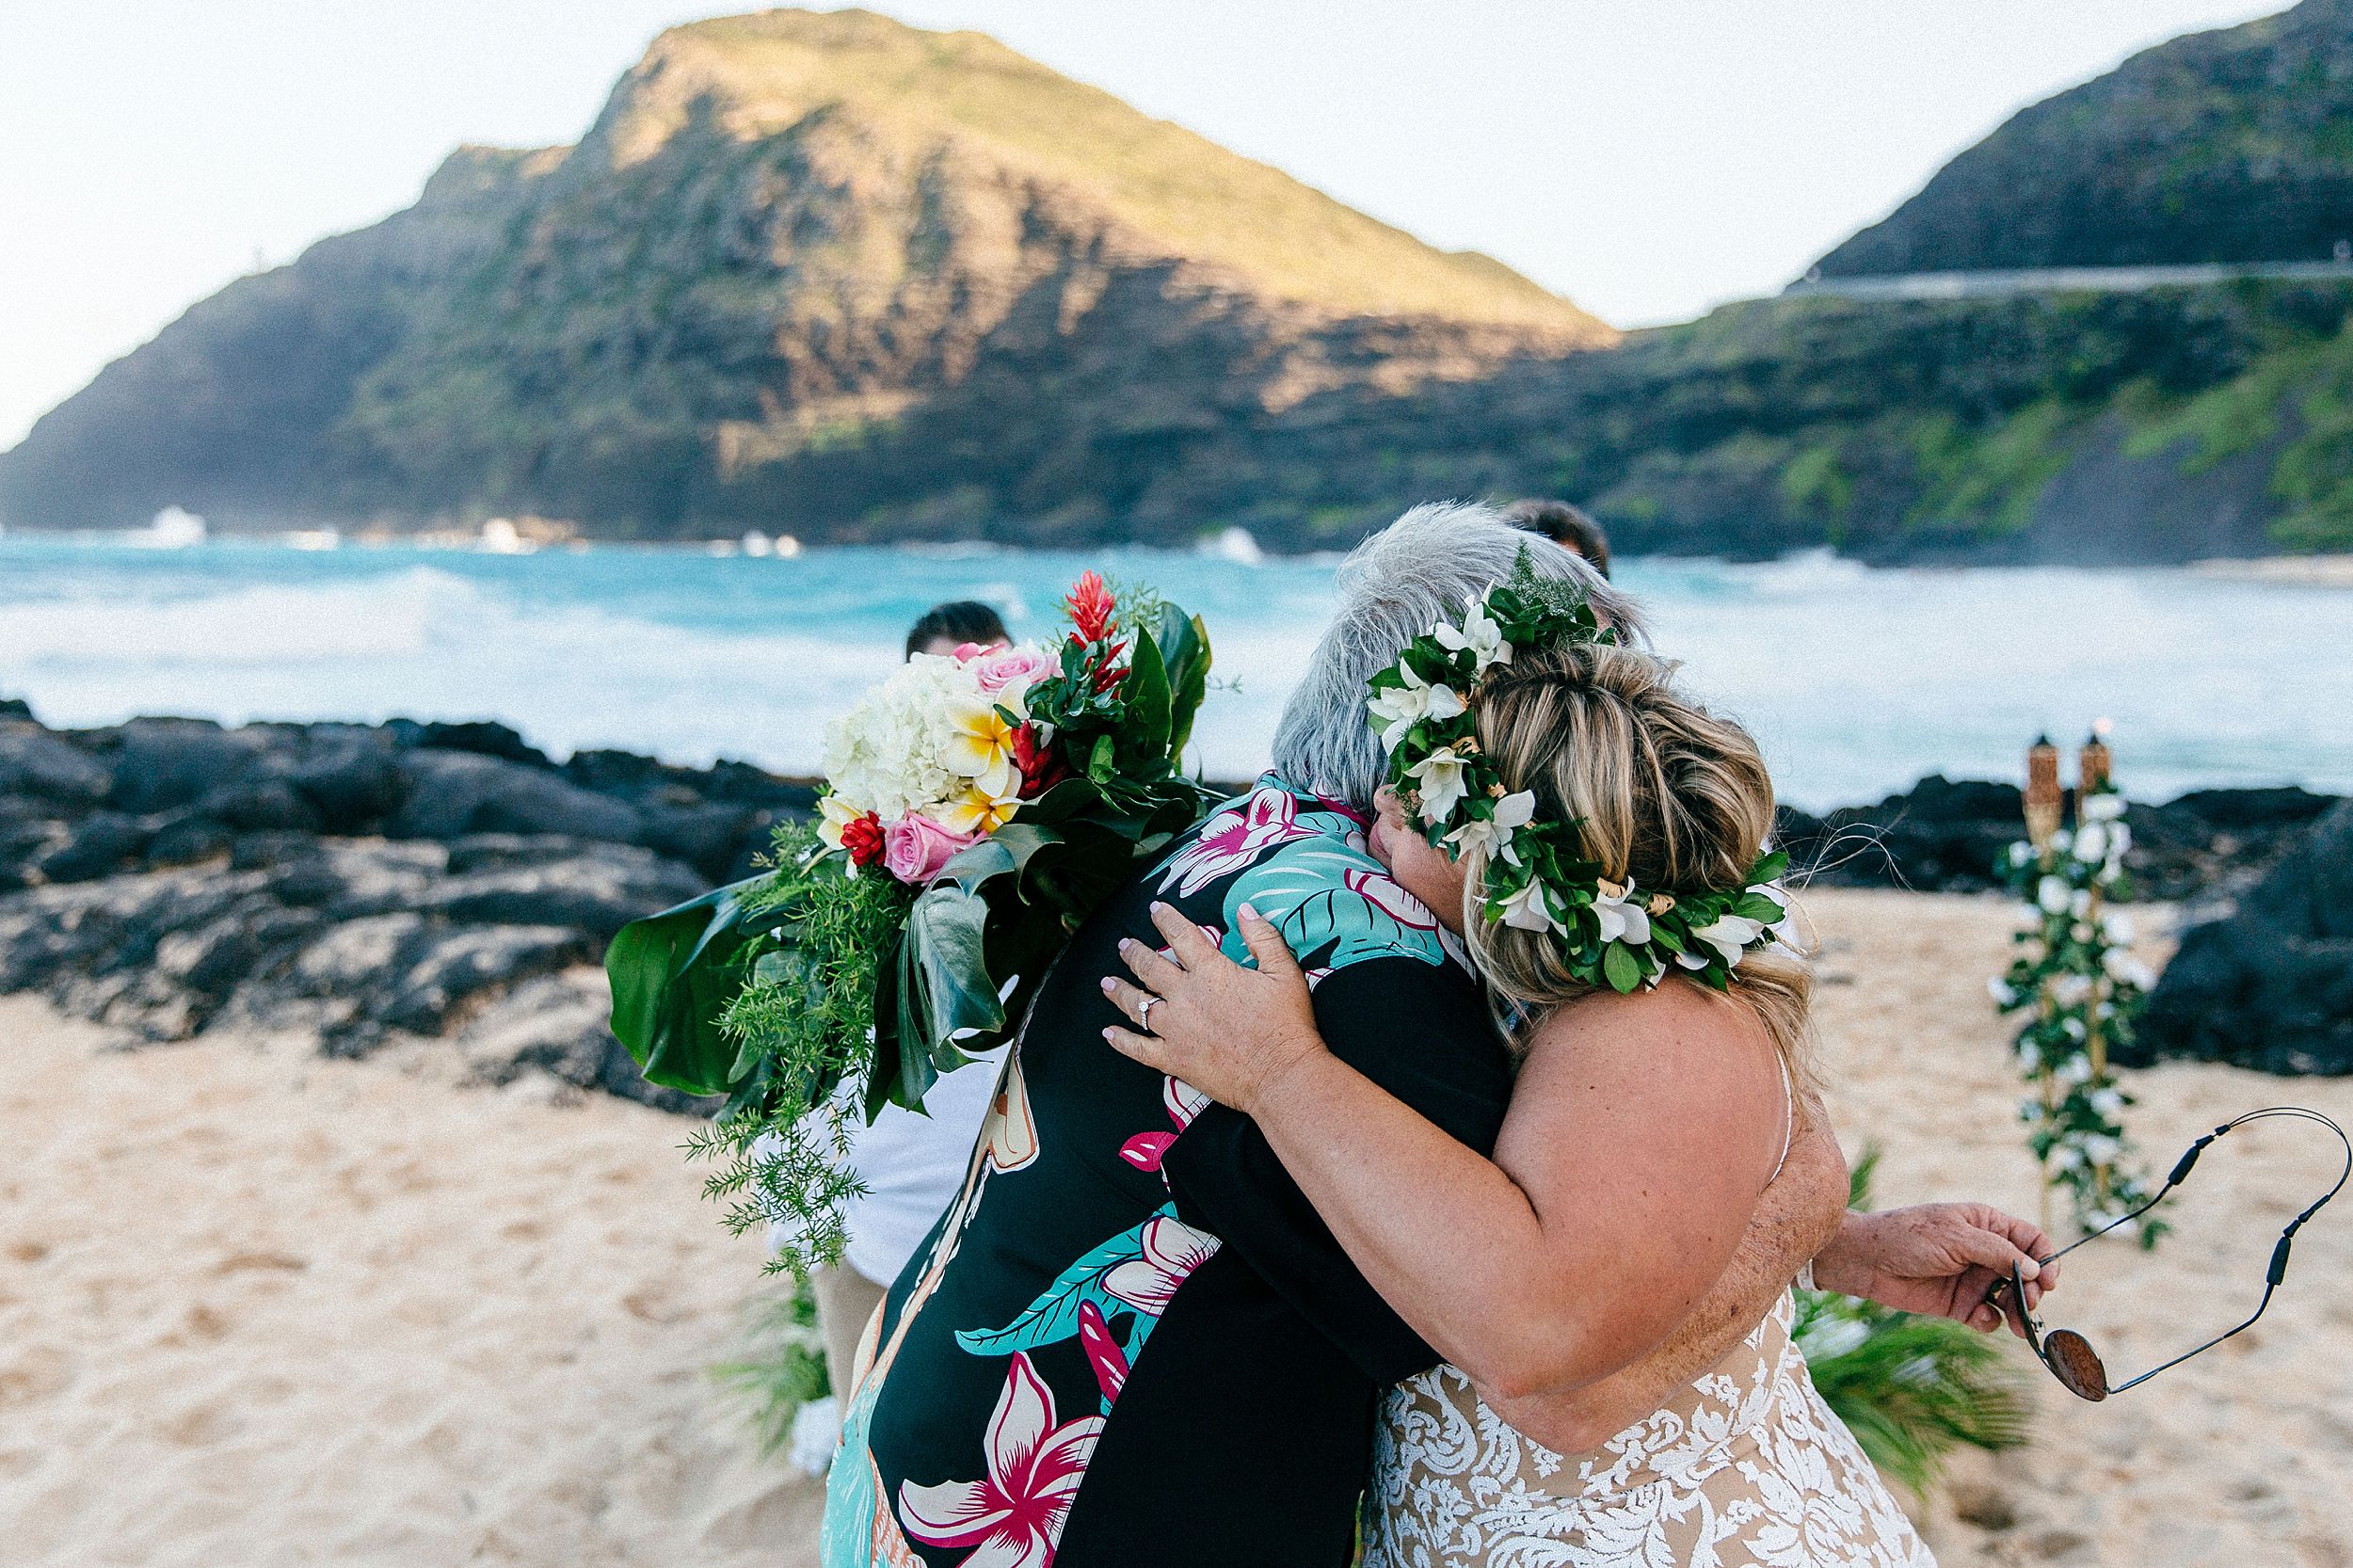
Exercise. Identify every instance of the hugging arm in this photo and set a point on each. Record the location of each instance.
(1572, 1324)
(1630, 1196)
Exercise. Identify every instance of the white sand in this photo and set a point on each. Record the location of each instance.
(260, 1308)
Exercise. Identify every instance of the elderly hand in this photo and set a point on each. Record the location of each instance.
(1229, 1032)
(1937, 1258)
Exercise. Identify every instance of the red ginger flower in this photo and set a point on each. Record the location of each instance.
(1090, 605)
(1041, 770)
(863, 837)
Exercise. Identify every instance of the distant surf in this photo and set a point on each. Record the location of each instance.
(1857, 680)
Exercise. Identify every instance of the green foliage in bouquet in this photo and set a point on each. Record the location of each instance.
(1910, 1389)
(827, 970)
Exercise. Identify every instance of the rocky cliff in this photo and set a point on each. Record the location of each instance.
(819, 272)
(2227, 146)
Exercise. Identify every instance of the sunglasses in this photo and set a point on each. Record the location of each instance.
(2070, 1357)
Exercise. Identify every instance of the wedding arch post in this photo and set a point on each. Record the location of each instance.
(2076, 983)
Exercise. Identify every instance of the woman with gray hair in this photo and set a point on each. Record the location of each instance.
(1594, 840)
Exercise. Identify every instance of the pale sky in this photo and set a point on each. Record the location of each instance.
(1647, 158)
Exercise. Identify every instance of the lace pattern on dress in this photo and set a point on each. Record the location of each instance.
(1746, 1469)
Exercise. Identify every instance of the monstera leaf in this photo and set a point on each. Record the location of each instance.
(672, 974)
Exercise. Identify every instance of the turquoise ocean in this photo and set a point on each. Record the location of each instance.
(1857, 680)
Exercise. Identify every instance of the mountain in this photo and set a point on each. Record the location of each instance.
(832, 275)
(2227, 146)
(819, 272)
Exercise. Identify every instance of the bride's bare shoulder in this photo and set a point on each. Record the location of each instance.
(1677, 1032)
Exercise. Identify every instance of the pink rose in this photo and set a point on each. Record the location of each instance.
(1011, 667)
(915, 847)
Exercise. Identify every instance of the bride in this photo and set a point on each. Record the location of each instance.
(1653, 1106)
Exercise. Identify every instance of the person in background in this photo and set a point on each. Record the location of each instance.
(945, 627)
(1565, 525)
(911, 1164)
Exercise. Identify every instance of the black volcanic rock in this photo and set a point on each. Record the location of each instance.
(1943, 836)
(368, 884)
(2226, 146)
(2270, 986)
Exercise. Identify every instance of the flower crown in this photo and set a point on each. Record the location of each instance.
(1537, 879)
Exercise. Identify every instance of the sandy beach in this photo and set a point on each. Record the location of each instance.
(258, 1307)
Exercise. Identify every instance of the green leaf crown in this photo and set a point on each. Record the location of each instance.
(1424, 708)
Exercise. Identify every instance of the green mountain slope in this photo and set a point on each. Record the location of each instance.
(819, 272)
(2228, 146)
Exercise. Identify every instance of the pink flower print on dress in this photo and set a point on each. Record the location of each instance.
(1014, 1519)
(1172, 1251)
(1389, 895)
(1233, 839)
(1146, 1150)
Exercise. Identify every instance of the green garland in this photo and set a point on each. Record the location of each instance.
(1425, 709)
(2080, 990)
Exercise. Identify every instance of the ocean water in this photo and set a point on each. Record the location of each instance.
(1858, 682)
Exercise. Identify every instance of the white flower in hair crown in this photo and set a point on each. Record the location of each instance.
(1537, 879)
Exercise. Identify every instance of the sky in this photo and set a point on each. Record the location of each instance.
(1647, 158)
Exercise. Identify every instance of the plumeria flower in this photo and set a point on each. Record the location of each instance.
(1494, 834)
(1171, 1250)
(1440, 779)
(1622, 920)
(1730, 935)
(2091, 844)
(1479, 635)
(2052, 894)
(1400, 708)
(2003, 993)
(2107, 1102)
(2103, 808)
(1530, 910)
(1014, 1519)
(2125, 970)
(977, 810)
(981, 746)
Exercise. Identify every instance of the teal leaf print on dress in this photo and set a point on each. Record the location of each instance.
(1134, 1274)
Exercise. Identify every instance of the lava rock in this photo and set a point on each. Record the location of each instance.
(2269, 986)
(159, 764)
(597, 891)
(35, 762)
(451, 795)
(101, 844)
(484, 739)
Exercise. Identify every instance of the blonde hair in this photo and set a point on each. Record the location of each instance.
(1666, 796)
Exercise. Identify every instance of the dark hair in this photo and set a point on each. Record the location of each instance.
(959, 620)
(1563, 524)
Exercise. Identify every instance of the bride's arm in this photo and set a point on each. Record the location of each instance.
(1636, 1136)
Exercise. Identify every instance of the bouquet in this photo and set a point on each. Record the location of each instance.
(978, 807)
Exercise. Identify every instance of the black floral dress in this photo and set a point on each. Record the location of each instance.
(1131, 1341)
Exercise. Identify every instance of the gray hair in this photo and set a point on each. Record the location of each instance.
(1428, 566)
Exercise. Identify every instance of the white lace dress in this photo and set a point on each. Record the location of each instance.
(1747, 1469)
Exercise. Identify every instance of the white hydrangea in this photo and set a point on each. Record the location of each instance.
(887, 754)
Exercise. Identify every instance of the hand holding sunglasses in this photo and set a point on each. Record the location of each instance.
(2069, 1356)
